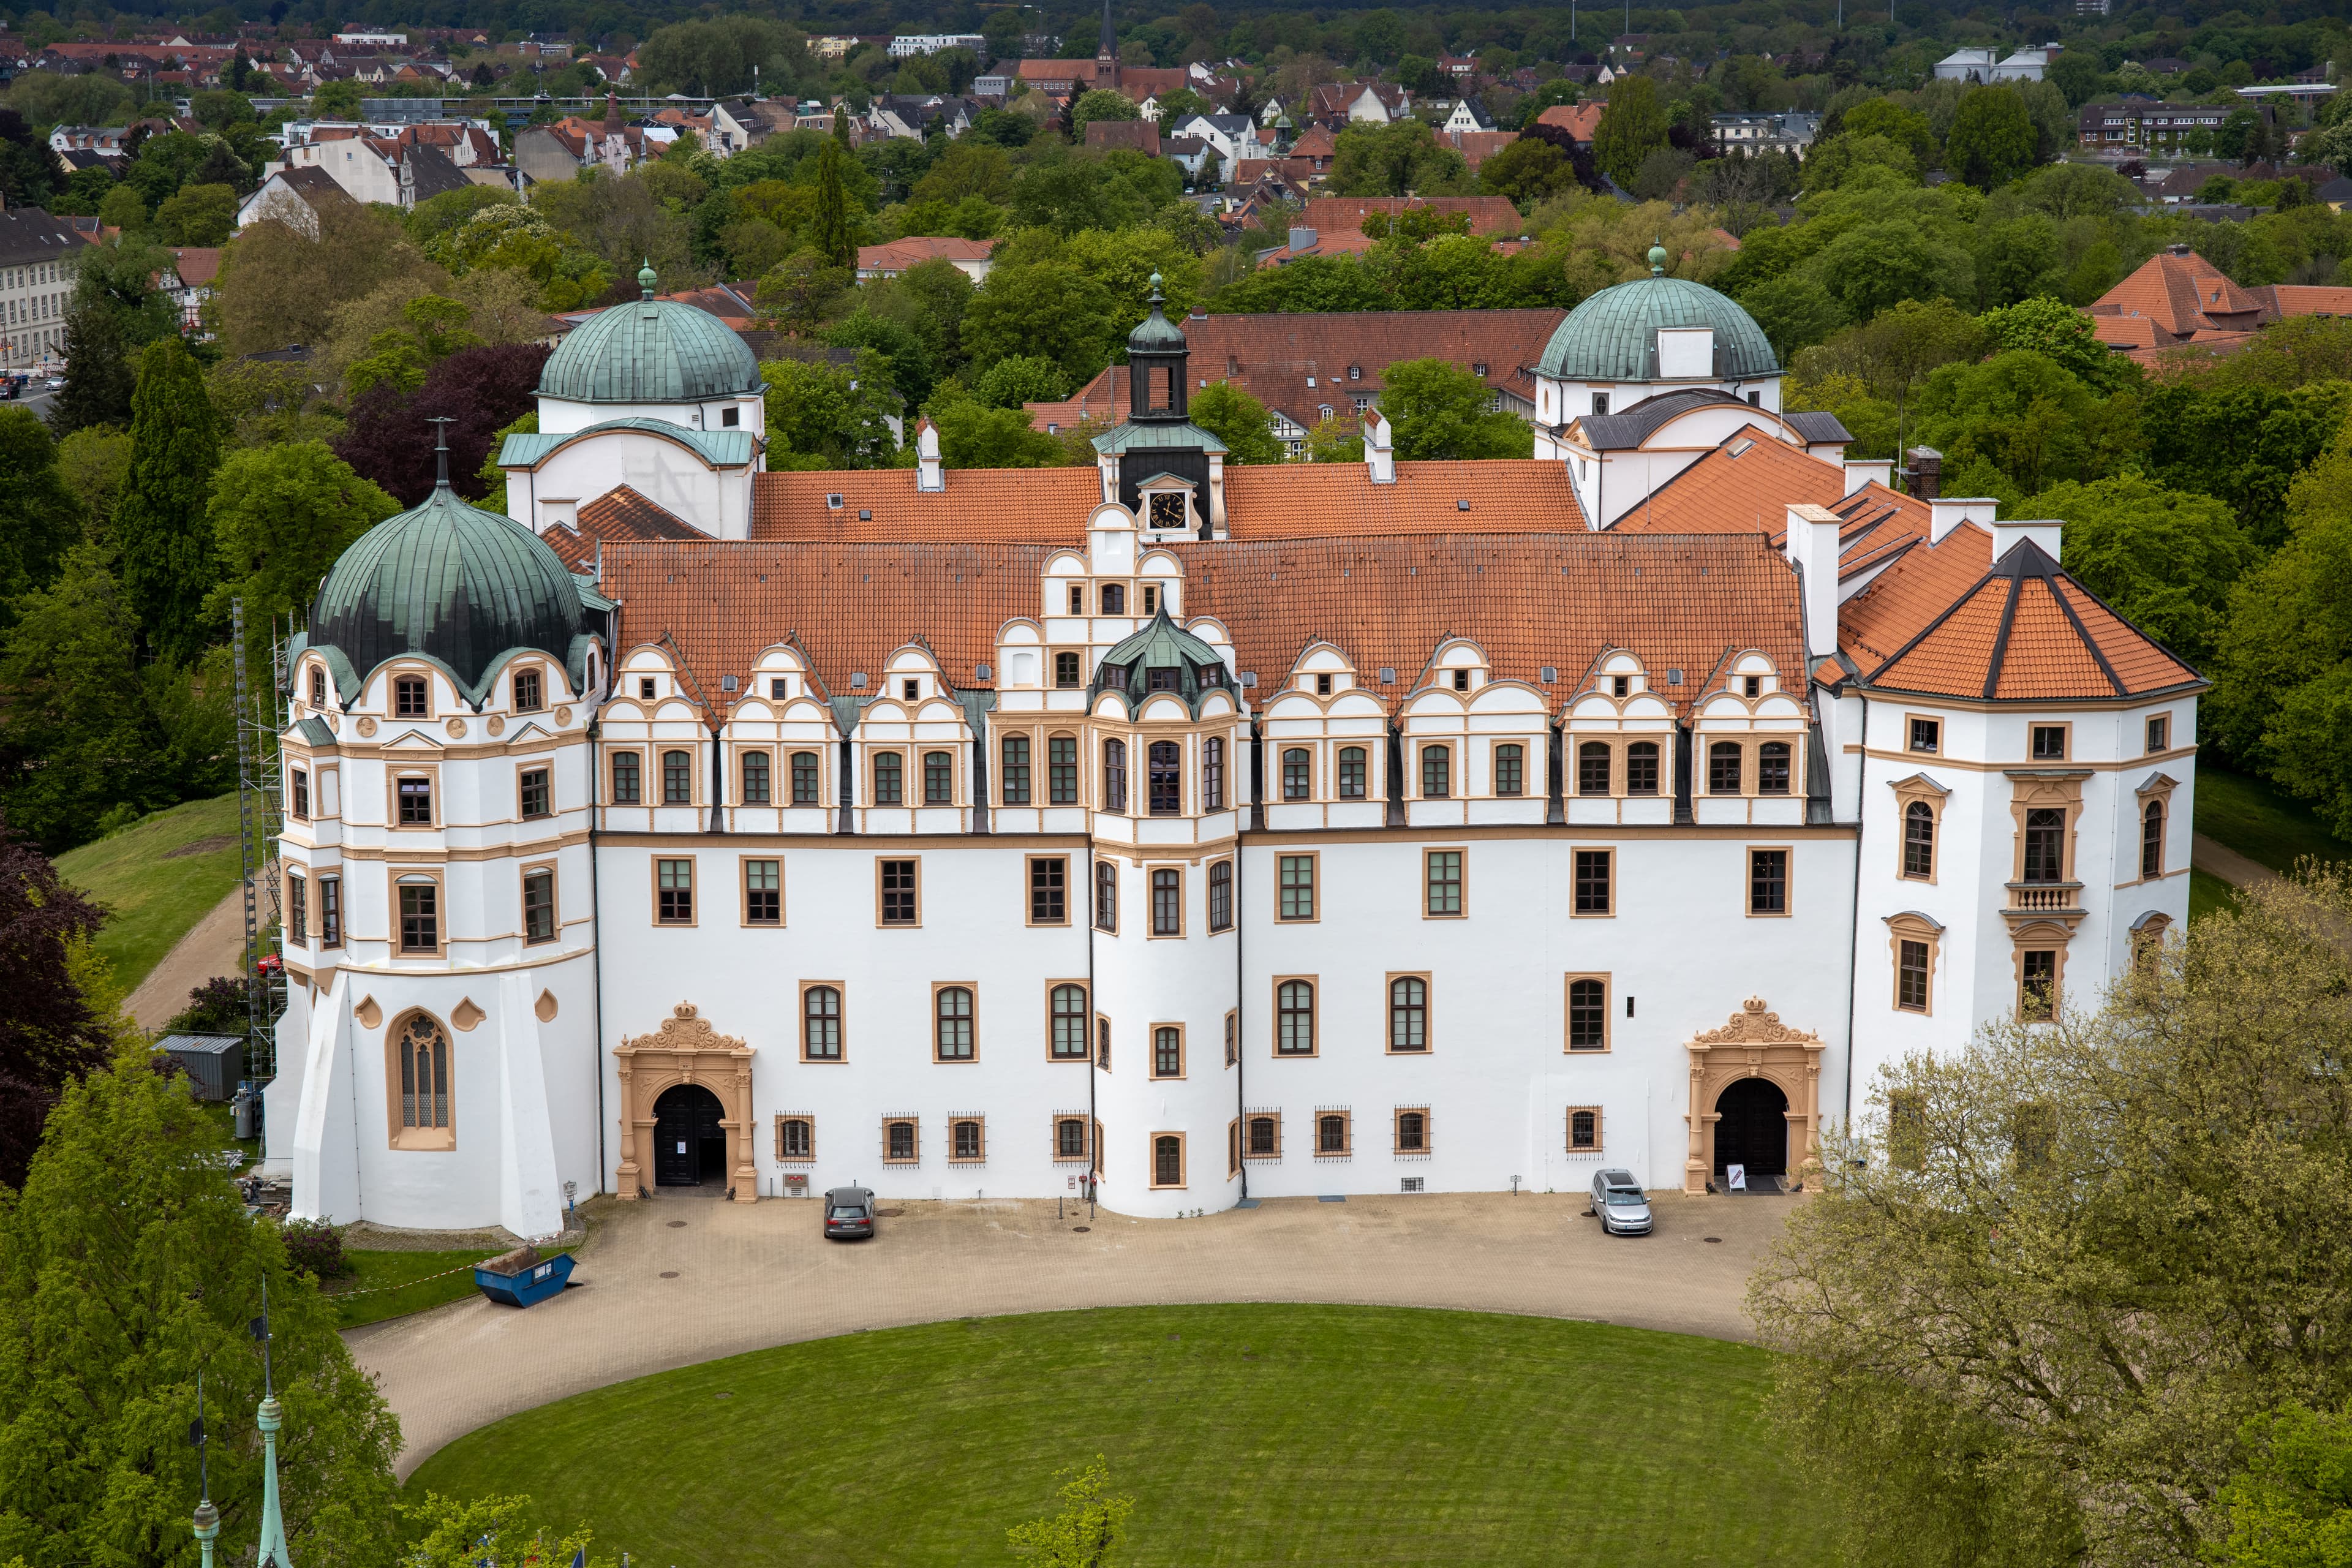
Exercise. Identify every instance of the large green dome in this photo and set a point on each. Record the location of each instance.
(449, 581)
(653, 350)
(1613, 335)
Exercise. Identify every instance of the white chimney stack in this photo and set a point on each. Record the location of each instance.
(1812, 548)
(1879, 471)
(1947, 513)
(2043, 531)
(929, 474)
(1379, 454)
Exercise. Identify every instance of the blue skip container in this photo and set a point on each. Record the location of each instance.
(523, 1278)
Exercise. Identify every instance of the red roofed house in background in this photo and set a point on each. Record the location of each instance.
(2179, 300)
(1622, 806)
(893, 257)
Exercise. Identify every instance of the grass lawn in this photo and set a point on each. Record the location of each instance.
(2259, 823)
(1246, 1434)
(156, 888)
(421, 1279)
(2207, 892)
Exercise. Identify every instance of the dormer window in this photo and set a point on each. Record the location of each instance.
(1600, 403)
(1478, 369)
(318, 687)
(1355, 373)
(1078, 600)
(1322, 685)
(408, 698)
(730, 418)
(1752, 686)
(1151, 599)
(526, 692)
(1621, 685)
(1213, 675)
(645, 688)
(1163, 678)
(1114, 597)
(1461, 681)
(833, 503)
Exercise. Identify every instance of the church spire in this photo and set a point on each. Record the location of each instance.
(1107, 51)
(271, 1551)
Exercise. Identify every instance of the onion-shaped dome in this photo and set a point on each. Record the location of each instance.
(1157, 333)
(451, 582)
(1613, 335)
(1162, 657)
(656, 350)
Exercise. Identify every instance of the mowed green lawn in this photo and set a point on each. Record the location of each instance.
(2260, 822)
(156, 886)
(393, 1284)
(1246, 1434)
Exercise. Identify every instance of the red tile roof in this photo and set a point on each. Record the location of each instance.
(1043, 505)
(2182, 294)
(897, 255)
(1579, 120)
(1488, 214)
(1477, 146)
(1747, 484)
(1295, 500)
(619, 516)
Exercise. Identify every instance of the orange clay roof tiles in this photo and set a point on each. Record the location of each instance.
(1044, 505)
(617, 515)
(1752, 490)
(1894, 607)
(2043, 656)
(1509, 495)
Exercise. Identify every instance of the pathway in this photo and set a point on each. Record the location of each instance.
(2211, 855)
(676, 1280)
(213, 946)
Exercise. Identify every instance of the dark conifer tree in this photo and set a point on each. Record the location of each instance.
(168, 561)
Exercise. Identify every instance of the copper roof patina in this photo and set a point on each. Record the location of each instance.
(655, 351)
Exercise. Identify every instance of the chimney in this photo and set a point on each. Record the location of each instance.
(2008, 535)
(1923, 466)
(1945, 514)
(1301, 240)
(929, 476)
(1380, 455)
(1813, 549)
(1878, 471)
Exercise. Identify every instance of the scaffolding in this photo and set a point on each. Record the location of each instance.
(260, 716)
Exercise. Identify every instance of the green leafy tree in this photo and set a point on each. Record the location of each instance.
(197, 214)
(1832, 161)
(2291, 1507)
(1239, 420)
(1795, 312)
(2002, 1344)
(1100, 103)
(974, 435)
(50, 1032)
(1883, 117)
(1402, 157)
(1124, 263)
(2245, 444)
(1528, 171)
(898, 350)
(127, 1266)
(929, 300)
(801, 289)
(823, 415)
(432, 327)
(2164, 559)
(336, 100)
(1631, 127)
(2030, 418)
(2051, 328)
(2016, 260)
(1440, 410)
(1992, 141)
(1336, 441)
(168, 561)
(473, 1532)
(1091, 1528)
(1045, 310)
(2076, 74)
(831, 228)
(279, 517)
(1023, 378)
(95, 463)
(1874, 266)
(40, 517)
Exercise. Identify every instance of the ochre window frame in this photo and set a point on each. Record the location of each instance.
(1152, 1145)
(400, 1135)
(654, 864)
(1461, 881)
(840, 990)
(1428, 1013)
(807, 1119)
(1567, 1013)
(1314, 1017)
(1748, 853)
(1085, 1016)
(1183, 1055)
(915, 1140)
(1314, 859)
(1396, 1131)
(1913, 926)
(1029, 891)
(980, 1124)
(972, 989)
(882, 924)
(743, 864)
(1599, 1130)
(1347, 1119)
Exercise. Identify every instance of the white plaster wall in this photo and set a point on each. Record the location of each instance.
(663, 471)
(562, 416)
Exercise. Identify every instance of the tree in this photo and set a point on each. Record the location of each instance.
(80, 736)
(49, 1033)
(1877, 265)
(2164, 559)
(1045, 310)
(30, 173)
(800, 290)
(2245, 444)
(2027, 415)
(279, 516)
(1440, 410)
(39, 518)
(129, 1264)
(279, 285)
(2076, 74)
(824, 416)
(2016, 260)
(168, 564)
(2291, 1507)
(448, 1532)
(1831, 161)
(2048, 1277)
(1993, 139)
(1883, 117)
(94, 463)
(1400, 158)
(1092, 1524)
(829, 226)
(2051, 328)
(1794, 311)
(899, 352)
(1239, 420)
(197, 214)
(1100, 103)
(1021, 378)
(974, 435)
(1631, 127)
(481, 390)
(1526, 171)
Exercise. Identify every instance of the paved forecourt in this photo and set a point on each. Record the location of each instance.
(673, 1281)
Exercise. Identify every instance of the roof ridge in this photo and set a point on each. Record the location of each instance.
(2050, 586)
(2000, 637)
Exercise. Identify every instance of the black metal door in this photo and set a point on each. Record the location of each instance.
(1753, 1129)
(686, 1125)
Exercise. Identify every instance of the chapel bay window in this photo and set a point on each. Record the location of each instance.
(1068, 1007)
(423, 1053)
(1409, 1013)
(1723, 768)
(420, 917)
(678, 779)
(1920, 841)
(1592, 768)
(1297, 773)
(1221, 895)
(1012, 772)
(416, 802)
(805, 778)
(821, 1024)
(1212, 774)
(1437, 769)
(952, 1019)
(1352, 772)
(1642, 768)
(628, 784)
(1061, 770)
(538, 906)
(755, 778)
(763, 892)
(1510, 769)
(1105, 897)
(939, 778)
(1165, 760)
(1773, 768)
(1115, 775)
(889, 779)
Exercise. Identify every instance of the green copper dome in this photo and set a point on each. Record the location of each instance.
(1162, 657)
(449, 581)
(1613, 336)
(656, 350)
(1157, 333)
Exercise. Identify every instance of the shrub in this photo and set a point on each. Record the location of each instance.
(314, 1247)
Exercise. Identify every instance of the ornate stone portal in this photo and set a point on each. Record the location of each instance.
(684, 1049)
(1754, 1043)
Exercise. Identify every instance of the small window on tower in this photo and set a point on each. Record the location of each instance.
(730, 418)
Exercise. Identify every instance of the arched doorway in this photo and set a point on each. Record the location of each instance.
(1751, 1127)
(689, 1144)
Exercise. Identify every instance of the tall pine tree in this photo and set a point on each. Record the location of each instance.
(169, 561)
(98, 378)
(829, 230)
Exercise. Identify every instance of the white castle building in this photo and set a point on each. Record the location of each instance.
(1208, 831)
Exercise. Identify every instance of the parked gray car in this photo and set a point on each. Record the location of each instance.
(848, 1212)
(1618, 1199)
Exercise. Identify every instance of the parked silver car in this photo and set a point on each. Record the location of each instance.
(1618, 1199)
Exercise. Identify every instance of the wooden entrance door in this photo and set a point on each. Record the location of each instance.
(1752, 1128)
(689, 1142)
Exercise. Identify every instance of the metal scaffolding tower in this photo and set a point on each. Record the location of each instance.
(260, 715)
